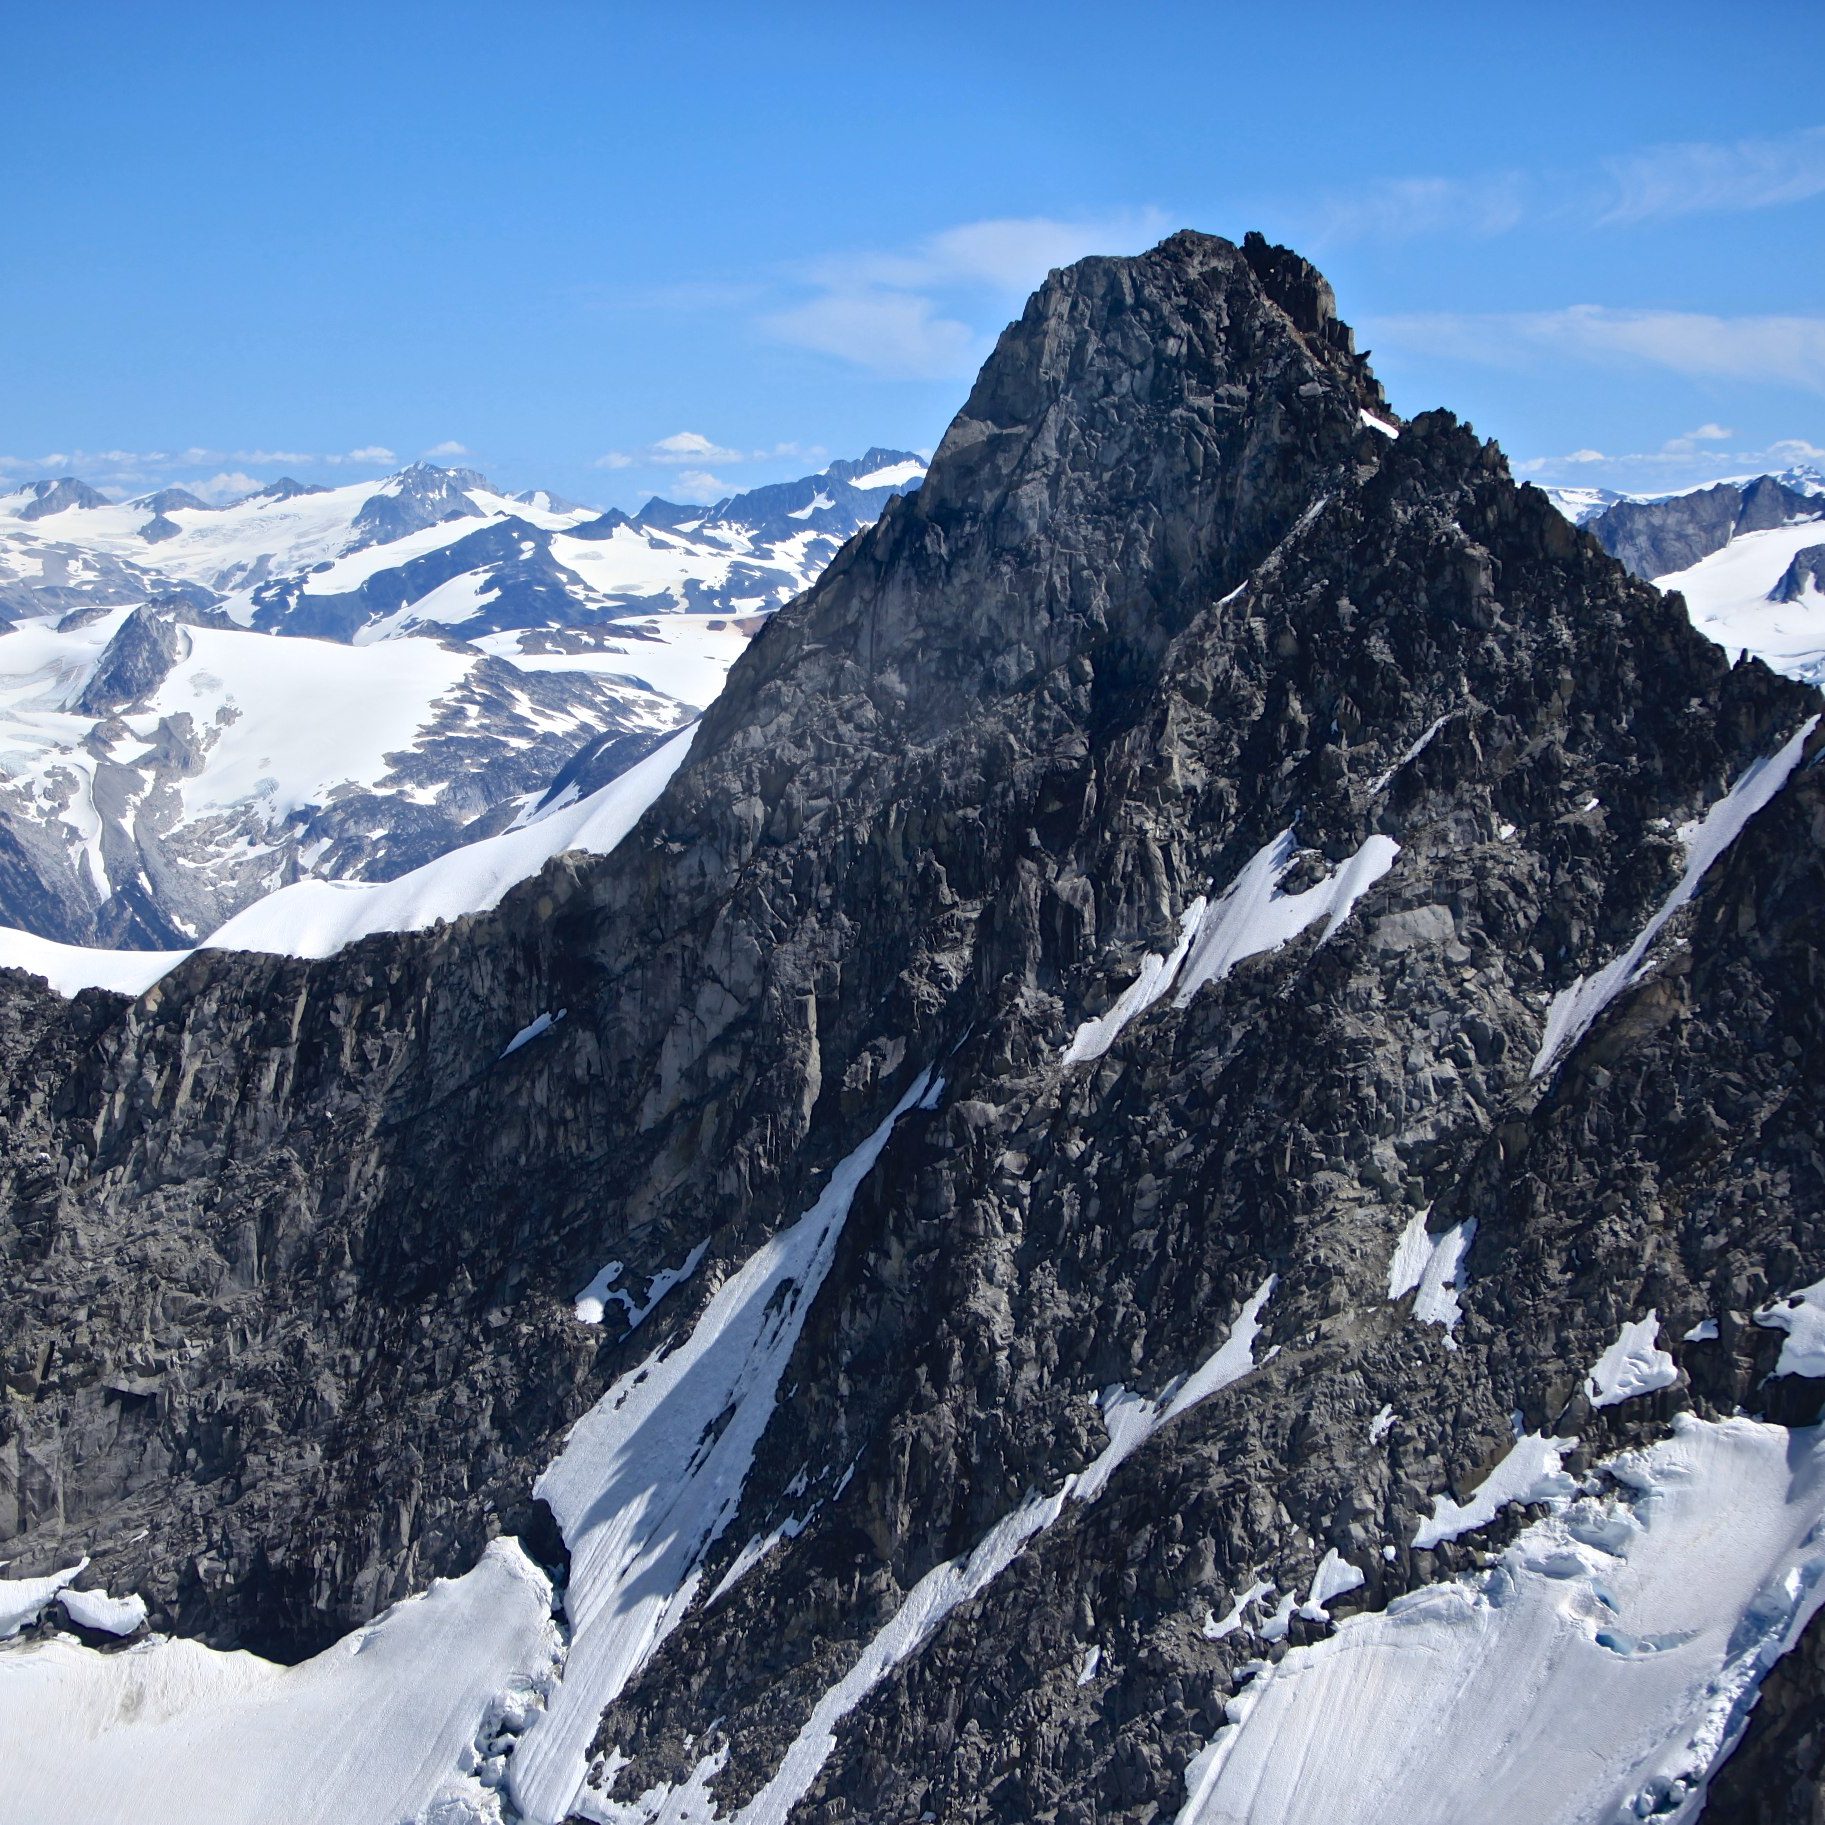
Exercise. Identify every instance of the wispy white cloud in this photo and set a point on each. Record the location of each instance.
(120, 472)
(1688, 441)
(926, 312)
(1700, 177)
(699, 485)
(449, 447)
(1005, 254)
(900, 335)
(1777, 350)
(1653, 183)
(105, 459)
(1395, 209)
(228, 485)
(691, 447)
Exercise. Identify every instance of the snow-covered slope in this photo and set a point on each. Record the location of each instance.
(1638, 1618)
(158, 777)
(1758, 595)
(390, 1724)
(314, 918)
(1582, 504)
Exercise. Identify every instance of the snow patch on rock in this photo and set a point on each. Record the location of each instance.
(1531, 1472)
(1254, 917)
(1633, 1365)
(1576, 1008)
(651, 1476)
(1130, 1421)
(1802, 1316)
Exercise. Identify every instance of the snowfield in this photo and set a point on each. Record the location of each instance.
(684, 657)
(390, 1724)
(1252, 917)
(652, 1475)
(1730, 594)
(1600, 1671)
(1728, 597)
(1575, 1009)
(317, 918)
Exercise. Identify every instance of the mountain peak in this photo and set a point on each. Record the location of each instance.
(429, 476)
(1197, 859)
(546, 502)
(1139, 439)
(56, 494)
(286, 488)
(419, 496)
(169, 500)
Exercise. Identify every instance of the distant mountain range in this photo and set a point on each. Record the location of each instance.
(458, 660)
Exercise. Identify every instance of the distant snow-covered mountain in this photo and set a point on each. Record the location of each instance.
(432, 547)
(453, 659)
(1747, 555)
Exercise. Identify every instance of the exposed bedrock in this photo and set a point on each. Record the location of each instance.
(291, 1248)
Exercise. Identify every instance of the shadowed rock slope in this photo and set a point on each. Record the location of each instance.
(290, 1248)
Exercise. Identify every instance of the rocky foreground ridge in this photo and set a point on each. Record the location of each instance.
(1186, 668)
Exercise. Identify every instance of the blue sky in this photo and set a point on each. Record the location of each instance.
(612, 250)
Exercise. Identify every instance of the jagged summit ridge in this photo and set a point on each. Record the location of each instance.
(1143, 435)
(1105, 1380)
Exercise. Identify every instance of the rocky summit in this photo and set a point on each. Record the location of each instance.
(1178, 1176)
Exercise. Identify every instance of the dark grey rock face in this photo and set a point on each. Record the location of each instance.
(170, 500)
(55, 496)
(135, 662)
(1806, 574)
(289, 1249)
(1656, 538)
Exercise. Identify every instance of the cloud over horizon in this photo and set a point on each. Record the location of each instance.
(682, 448)
(1679, 463)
